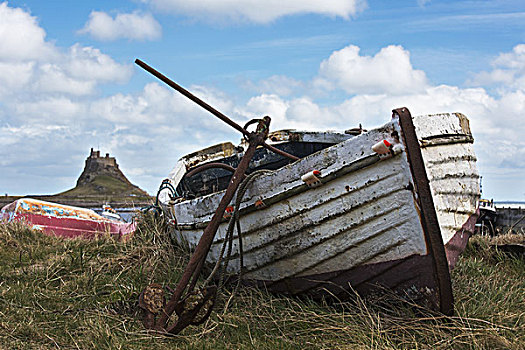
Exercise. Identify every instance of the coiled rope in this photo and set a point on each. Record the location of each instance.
(234, 223)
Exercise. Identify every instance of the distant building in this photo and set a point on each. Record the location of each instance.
(97, 165)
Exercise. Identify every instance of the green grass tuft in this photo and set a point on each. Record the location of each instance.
(79, 294)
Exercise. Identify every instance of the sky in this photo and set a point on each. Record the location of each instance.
(68, 82)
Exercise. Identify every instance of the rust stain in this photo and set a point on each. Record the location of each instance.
(221, 150)
(464, 123)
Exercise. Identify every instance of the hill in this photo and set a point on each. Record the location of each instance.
(101, 182)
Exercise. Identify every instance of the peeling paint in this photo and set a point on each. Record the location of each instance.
(63, 220)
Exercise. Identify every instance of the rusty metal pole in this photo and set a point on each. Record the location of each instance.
(201, 251)
(192, 97)
(207, 107)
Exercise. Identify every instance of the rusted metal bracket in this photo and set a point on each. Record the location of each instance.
(194, 309)
(429, 220)
(151, 301)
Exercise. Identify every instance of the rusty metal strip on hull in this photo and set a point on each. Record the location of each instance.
(428, 213)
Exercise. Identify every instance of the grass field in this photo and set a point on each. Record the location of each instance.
(76, 294)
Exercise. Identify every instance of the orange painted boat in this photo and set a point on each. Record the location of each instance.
(64, 220)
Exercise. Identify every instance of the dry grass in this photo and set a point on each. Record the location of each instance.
(80, 294)
(508, 238)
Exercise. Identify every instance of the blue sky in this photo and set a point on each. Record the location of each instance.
(68, 83)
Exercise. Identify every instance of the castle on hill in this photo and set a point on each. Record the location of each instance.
(97, 165)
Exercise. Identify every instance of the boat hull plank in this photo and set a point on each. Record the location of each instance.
(340, 204)
(410, 277)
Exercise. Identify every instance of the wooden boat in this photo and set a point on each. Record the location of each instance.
(392, 207)
(64, 220)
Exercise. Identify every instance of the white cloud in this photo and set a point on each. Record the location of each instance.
(53, 78)
(77, 72)
(28, 132)
(508, 70)
(88, 63)
(132, 26)
(266, 104)
(158, 106)
(388, 71)
(259, 11)
(13, 76)
(369, 109)
(50, 109)
(512, 60)
(22, 37)
(31, 67)
(301, 113)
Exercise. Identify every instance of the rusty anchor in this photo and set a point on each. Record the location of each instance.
(194, 306)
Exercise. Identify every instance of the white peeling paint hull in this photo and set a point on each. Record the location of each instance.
(362, 221)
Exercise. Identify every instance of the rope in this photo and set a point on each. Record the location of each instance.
(158, 207)
(234, 223)
(227, 245)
